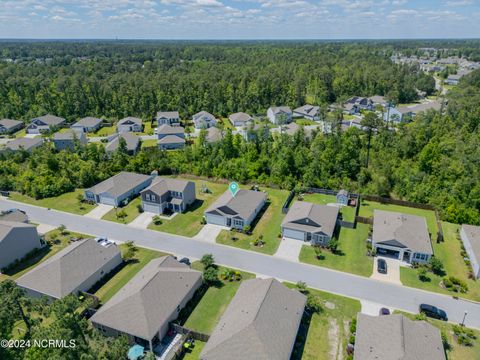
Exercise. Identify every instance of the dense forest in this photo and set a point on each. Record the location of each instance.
(434, 159)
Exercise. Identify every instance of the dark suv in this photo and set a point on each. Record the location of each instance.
(381, 266)
(433, 312)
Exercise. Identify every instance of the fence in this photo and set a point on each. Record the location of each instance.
(287, 202)
(189, 332)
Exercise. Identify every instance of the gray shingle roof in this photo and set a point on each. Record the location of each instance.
(473, 234)
(214, 134)
(314, 218)
(410, 231)
(7, 226)
(130, 118)
(148, 300)
(261, 322)
(9, 123)
(308, 110)
(243, 204)
(120, 183)
(131, 140)
(25, 143)
(50, 119)
(394, 337)
(168, 114)
(68, 135)
(171, 139)
(88, 121)
(203, 114)
(161, 186)
(62, 273)
(170, 130)
(281, 109)
(240, 117)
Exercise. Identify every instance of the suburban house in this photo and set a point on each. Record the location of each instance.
(395, 115)
(27, 144)
(355, 104)
(342, 197)
(168, 118)
(171, 137)
(8, 126)
(144, 308)
(204, 120)
(411, 111)
(88, 124)
(453, 79)
(261, 322)
(310, 222)
(76, 268)
(132, 143)
(401, 236)
(379, 100)
(395, 337)
(66, 140)
(240, 119)
(308, 112)
(165, 193)
(470, 236)
(45, 123)
(236, 211)
(118, 189)
(128, 124)
(214, 134)
(17, 239)
(279, 115)
(15, 215)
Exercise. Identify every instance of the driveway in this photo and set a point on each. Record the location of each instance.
(393, 271)
(289, 249)
(99, 211)
(142, 221)
(209, 233)
(372, 308)
(42, 229)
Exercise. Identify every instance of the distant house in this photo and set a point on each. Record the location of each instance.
(214, 134)
(240, 119)
(279, 115)
(379, 100)
(453, 79)
(347, 124)
(66, 140)
(132, 142)
(27, 144)
(129, 124)
(8, 126)
(470, 236)
(396, 337)
(144, 308)
(171, 137)
(310, 222)
(120, 187)
(342, 197)
(412, 111)
(402, 236)
(204, 120)
(168, 118)
(17, 239)
(355, 104)
(88, 124)
(308, 112)
(395, 115)
(236, 211)
(172, 194)
(44, 124)
(261, 322)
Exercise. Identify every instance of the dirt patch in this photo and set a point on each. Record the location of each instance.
(329, 305)
(333, 337)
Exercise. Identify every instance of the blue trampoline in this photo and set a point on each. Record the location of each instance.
(135, 352)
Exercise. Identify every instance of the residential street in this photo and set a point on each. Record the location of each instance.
(389, 295)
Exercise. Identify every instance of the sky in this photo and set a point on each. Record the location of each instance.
(239, 19)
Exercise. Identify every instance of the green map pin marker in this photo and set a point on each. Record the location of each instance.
(233, 188)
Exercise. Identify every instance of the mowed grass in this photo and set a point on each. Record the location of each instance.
(142, 257)
(348, 212)
(194, 354)
(104, 131)
(131, 210)
(305, 122)
(268, 225)
(213, 303)
(449, 253)
(352, 250)
(149, 143)
(326, 335)
(189, 222)
(67, 202)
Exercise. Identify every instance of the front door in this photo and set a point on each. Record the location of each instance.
(406, 256)
(229, 222)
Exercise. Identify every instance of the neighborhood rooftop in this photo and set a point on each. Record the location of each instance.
(314, 218)
(88, 122)
(67, 135)
(162, 185)
(25, 143)
(167, 114)
(242, 204)
(132, 141)
(50, 119)
(120, 183)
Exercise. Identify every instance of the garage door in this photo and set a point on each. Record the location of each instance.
(293, 234)
(152, 208)
(387, 252)
(107, 200)
(215, 219)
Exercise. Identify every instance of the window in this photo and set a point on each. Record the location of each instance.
(153, 198)
(147, 197)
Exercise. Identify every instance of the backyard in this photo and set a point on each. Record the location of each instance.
(348, 212)
(351, 255)
(130, 211)
(149, 143)
(268, 225)
(66, 202)
(305, 122)
(104, 131)
(194, 354)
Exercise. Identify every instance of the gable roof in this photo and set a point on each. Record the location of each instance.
(148, 300)
(120, 183)
(131, 140)
(242, 205)
(62, 273)
(394, 337)
(25, 143)
(161, 186)
(130, 119)
(168, 114)
(68, 135)
(170, 130)
(309, 217)
(281, 110)
(9, 123)
(261, 322)
(473, 234)
(203, 114)
(377, 99)
(50, 119)
(88, 121)
(308, 110)
(6, 226)
(240, 117)
(213, 134)
(393, 228)
(171, 139)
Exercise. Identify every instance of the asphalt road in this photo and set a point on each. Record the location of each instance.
(390, 295)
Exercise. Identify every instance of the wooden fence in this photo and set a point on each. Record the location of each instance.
(189, 332)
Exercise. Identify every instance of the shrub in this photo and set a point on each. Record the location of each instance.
(447, 283)
(422, 274)
(446, 344)
(313, 304)
(210, 275)
(319, 253)
(157, 220)
(302, 287)
(458, 284)
(421, 316)
(207, 261)
(353, 326)
(352, 339)
(140, 208)
(464, 336)
(436, 266)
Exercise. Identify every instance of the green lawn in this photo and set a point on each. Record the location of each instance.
(131, 210)
(268, 226)
(104, 131)
(367, 207)
(225, 122)
(352, 256)
(449, 252)
(66, 202)
(189, 222)
(194, 354)
(149, 143)
(348, 212)
(305, 122)
(114, 284)
(213, 303)
(20, 133)
(326, 336)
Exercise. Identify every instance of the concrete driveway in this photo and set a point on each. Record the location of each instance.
(142, 221)
(372, 308)
(289, 249)
(393, 271)
(209, 233)
(42, 229)
(99, 211)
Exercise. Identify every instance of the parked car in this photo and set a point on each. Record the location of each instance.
(381, 266)
(185, 261)
(384, 311)
(433, 312)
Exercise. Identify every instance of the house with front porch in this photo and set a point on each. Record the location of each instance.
(130, 123)
(168, 118)
(45, 123)
(204, 120)
(8, 126)
(401, 236)
(280, 115)
(165, 193)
